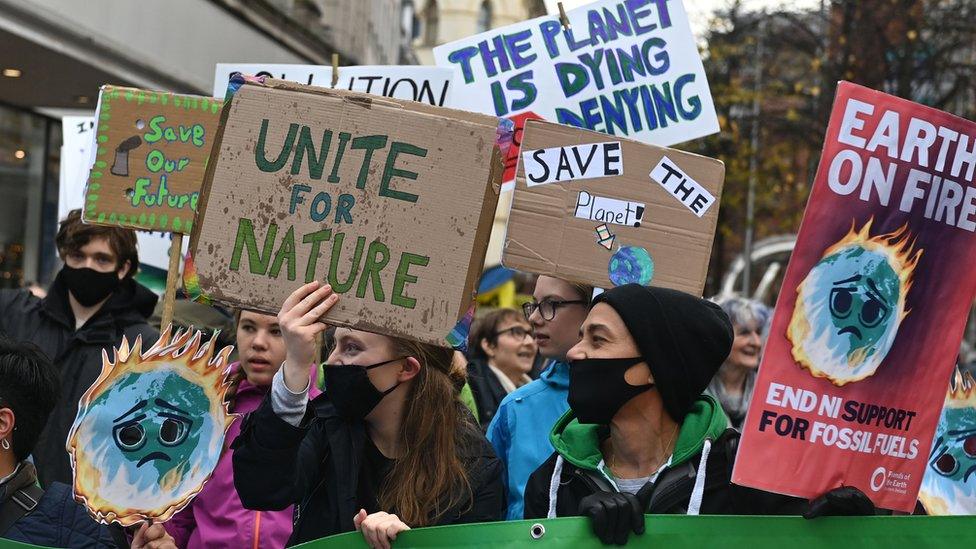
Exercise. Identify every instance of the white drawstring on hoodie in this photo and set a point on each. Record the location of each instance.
(557, 472)
(694, 504)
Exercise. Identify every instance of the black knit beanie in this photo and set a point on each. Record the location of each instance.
(683, 338)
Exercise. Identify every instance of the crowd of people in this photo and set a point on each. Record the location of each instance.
(634, 410)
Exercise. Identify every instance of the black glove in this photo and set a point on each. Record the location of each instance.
(846, 501)
(614, 515)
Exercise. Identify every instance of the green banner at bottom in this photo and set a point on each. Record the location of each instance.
(692, 532)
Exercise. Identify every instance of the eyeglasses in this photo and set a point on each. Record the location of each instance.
(517, 332)
(547, 307)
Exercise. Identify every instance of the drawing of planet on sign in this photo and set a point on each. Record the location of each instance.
(631, 264)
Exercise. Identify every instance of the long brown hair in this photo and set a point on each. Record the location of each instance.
(429, 477)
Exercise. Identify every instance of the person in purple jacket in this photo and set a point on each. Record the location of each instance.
(216, 517)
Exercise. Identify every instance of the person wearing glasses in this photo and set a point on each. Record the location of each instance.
(736, 378)
(520, 429)
(502, 354)
(387, 447)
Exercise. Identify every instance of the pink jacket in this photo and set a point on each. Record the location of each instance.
(216, 517)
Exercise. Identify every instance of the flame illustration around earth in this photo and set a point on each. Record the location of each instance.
(851, 303)
(949, 485)
(150, 430)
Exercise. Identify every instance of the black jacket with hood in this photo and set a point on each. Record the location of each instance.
(486, 389)
(50, 324)
(316, 468)
(697, 481)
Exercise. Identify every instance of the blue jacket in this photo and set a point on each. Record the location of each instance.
(520, 429)
(58, 521)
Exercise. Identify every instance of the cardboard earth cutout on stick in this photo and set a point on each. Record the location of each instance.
(874, 303)
(620, 67)
(152, 152)
(606, 211)
(389, 201)
(150, 430)
(949, 486)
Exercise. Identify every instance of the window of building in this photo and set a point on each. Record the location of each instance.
(408, 20)
(484, 16)
(28, 210)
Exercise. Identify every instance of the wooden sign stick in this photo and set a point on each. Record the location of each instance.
(335, 69)
(562, 16)
(172, 279)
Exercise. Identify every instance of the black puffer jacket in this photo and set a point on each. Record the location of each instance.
(316, 468)
(486, 389)
(57, 520)
(672, 491)
(50, 324)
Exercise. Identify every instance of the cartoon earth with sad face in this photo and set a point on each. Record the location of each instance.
(150, 430)
(949, 485)
(849, 307)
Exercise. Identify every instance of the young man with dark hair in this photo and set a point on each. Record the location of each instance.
(29, 392)
(92, 303)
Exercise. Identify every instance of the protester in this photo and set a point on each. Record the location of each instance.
(736, 378)
(29, 390)
(641, 437)
(216, 517)
(459, 370)
(520, 429)
(387, 447)
(92, 303)
(502, 354)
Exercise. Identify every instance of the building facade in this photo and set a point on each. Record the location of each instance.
(442, 21)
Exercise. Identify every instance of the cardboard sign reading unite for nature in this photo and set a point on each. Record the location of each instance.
(605, 211)
(152, 153)
(389, 201)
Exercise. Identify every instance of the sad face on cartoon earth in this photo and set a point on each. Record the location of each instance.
(849, 307)
(949, 484)
(158, 431)
(150, 430)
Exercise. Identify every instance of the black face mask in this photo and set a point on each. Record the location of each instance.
(597, 388)
(89, 286)
(351, 391)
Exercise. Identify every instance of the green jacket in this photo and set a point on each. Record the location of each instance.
(696, 480)
(579, 444)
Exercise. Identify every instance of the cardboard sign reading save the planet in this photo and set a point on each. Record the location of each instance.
(152, 151)
(389, 201)
(612, 212)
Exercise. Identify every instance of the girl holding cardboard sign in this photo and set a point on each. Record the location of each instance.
(387, 447)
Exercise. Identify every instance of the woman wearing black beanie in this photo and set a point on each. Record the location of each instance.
(641, 437)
